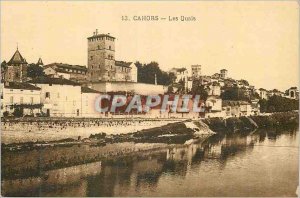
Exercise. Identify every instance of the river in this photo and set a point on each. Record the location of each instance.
(256, 164)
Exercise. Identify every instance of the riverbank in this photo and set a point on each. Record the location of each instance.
(27, 159)
(57, 129)
(245, 124)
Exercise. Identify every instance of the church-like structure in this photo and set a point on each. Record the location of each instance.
(16, 70)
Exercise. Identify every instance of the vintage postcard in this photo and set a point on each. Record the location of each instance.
(151, 99)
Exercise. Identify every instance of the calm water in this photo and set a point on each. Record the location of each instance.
(259, 164)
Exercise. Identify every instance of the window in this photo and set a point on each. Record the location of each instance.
(91, 57)
(58, 95)
(21, 100)
(11, 99)
(47, 94)
(109, 47)
(98, 47)
(31, 100)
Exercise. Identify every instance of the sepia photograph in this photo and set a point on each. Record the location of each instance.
(149, 98)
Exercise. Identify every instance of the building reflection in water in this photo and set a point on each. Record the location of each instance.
(129, 175)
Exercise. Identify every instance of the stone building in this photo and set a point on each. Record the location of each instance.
(40, 62)
(60, 97)
(102, 65)
(263, 93)
(88, 98)
(181, 74)
(16, 70)
(20, 94)
(75, 73)
(223, 73)
(196, 71)
(293, 93)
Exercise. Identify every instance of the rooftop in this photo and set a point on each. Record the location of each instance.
(101, 35)
(234, 103)
(123, 63)
(40, 62)
(67, 66)
(18, 85)
(17, 59)
(57, 81)
(88, 90)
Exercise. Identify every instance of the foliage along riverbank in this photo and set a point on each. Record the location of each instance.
(244, 124)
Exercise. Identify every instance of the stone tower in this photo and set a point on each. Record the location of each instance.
(101, 57)
(16, 68)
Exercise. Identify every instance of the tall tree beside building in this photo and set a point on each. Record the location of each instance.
(198, 89)
(35, 71)
(146, 74)
(3, 69)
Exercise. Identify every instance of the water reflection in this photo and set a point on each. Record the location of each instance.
(228, 165)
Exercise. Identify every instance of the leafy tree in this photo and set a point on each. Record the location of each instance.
(18, 112)
(35, 71)
(147, 72)
(278, 104)
(234, 93)
(3, 65)
(198, 89)
(170, 89)
(3, 69)
(244, 82)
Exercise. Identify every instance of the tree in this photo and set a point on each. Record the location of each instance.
(3, 69)
(147, 72)
(278, 104)
(35, 71)
(18, 112)
(234, 93)
(244, 82)
(198, 89)
(3, 65)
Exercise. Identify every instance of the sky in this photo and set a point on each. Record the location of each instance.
(254, 40)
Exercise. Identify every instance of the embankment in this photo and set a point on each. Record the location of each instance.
(245, 124)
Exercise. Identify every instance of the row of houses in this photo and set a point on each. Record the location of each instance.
(59, 97)
(55, 97)
(188, 76)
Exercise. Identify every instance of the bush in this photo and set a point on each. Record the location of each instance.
(5, 114)
(18, 112)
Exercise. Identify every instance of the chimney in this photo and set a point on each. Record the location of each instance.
(96, 31)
